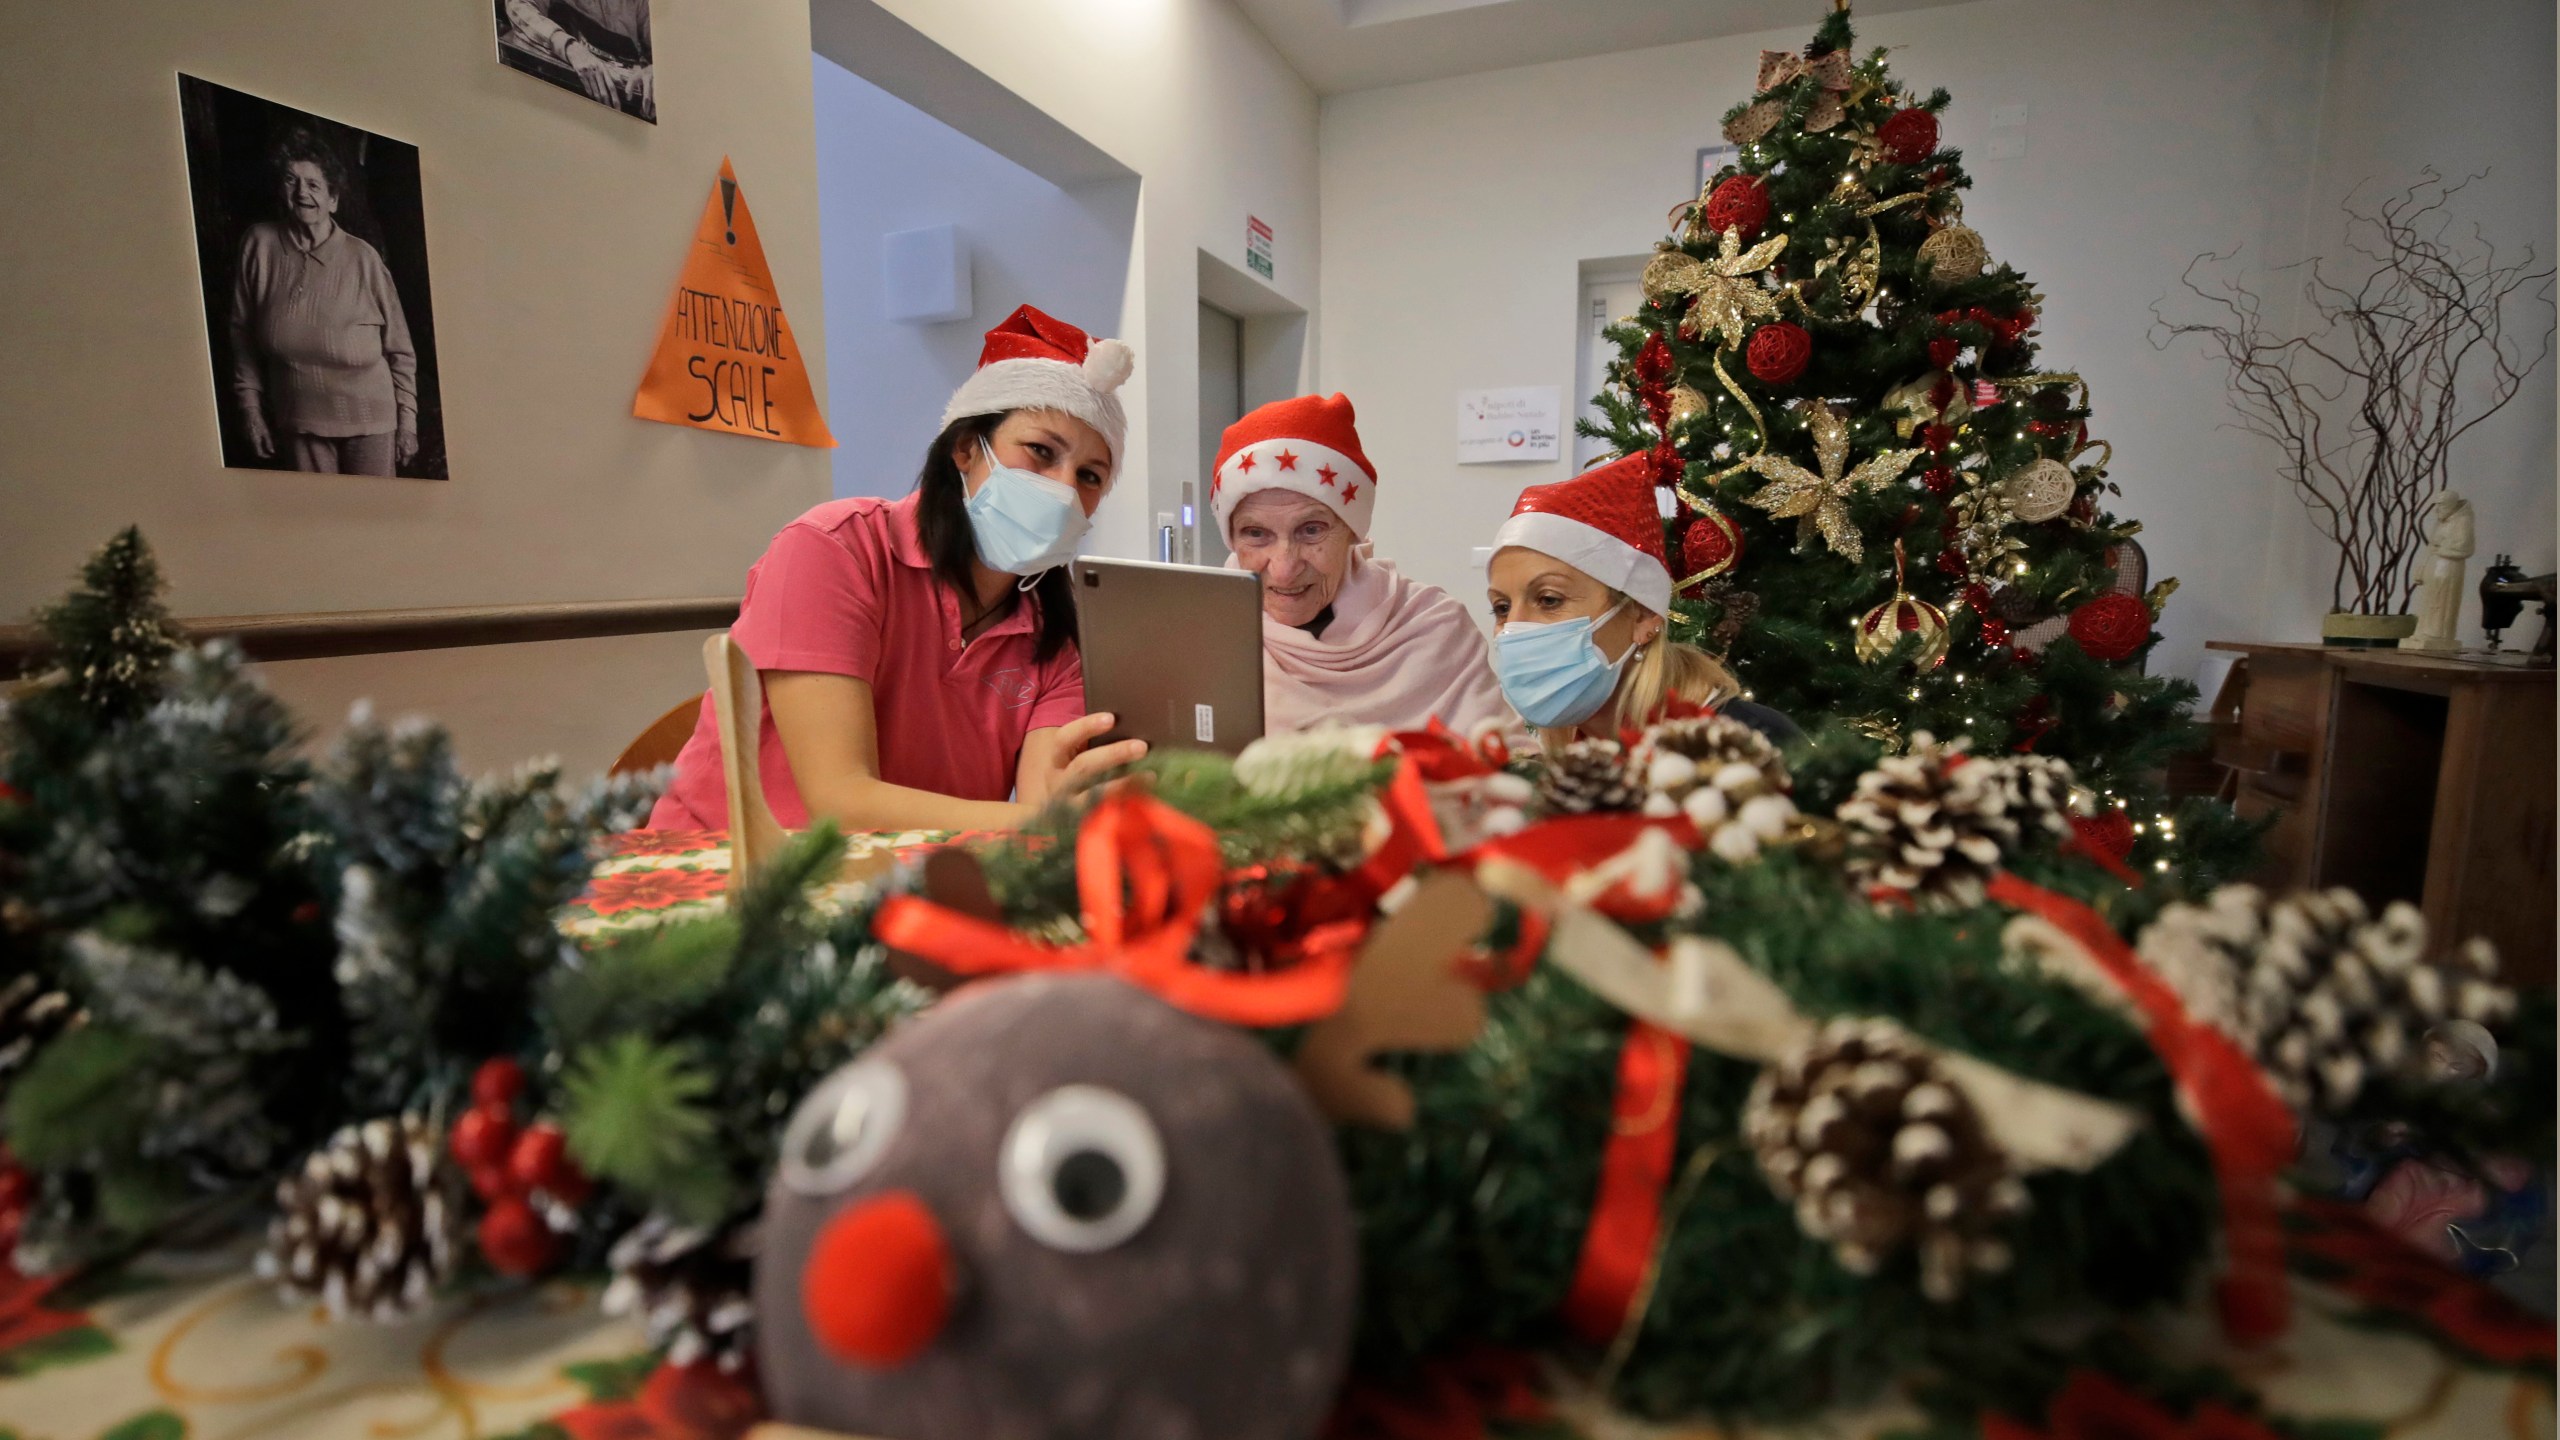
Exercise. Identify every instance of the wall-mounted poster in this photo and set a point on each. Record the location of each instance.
(726, 358)
(597, 48)
(312, 240)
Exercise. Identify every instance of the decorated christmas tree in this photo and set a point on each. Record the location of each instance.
(1893, 514)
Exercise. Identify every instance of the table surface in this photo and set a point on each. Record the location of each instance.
(2505, 666)
(192, 1347)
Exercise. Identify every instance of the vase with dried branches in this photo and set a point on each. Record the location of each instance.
(2395, 353)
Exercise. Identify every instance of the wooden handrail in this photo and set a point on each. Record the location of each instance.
(314, 634)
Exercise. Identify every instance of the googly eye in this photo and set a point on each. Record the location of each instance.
(1082, 1168)
(840, 1131)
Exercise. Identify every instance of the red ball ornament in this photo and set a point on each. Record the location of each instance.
(540, 1157)
(492, 1182)
(1740, 203)
(483, 1136)
(1939, 479)
(1942, 353)
(1977, 598)
(1710, 547)
(497, 1082)
(1778, 352)
(1951, 561)
(516, 1241)
(2111, 627)
(1908, 136)
(1995, 633)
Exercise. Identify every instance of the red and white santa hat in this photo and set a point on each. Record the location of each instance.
(1605, 523)
(1037, 362)
(1307, 445)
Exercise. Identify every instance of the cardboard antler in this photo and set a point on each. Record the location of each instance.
(1406, 994)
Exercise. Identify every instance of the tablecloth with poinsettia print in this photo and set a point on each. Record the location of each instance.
(2388, 1343)
(647, 877)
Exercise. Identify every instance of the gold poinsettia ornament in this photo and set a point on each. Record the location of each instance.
(1819, 500)
(1726, 296)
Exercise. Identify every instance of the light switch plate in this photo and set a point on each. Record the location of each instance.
(2006, 142)
(2003, 115)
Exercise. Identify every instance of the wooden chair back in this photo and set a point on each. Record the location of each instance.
(737, 700)
(659, 744)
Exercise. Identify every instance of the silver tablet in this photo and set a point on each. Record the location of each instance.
(1174, 651)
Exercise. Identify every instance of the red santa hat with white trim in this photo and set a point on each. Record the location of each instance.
(1034, 361)
(1308, 445)
(1605, 523)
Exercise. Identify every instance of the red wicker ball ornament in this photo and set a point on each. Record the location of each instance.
(2112, 627)
(1709, 548)
(1778, 352)
(1740, 203)
(1908, 136)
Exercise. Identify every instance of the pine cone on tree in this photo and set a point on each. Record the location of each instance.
(368, 1226)
(2040, 790)
(2321, 993)
(1590, 775)
(1931, 823)
(31, 1013)
(1724, 775)
(691, 1286)
(1880, 1152)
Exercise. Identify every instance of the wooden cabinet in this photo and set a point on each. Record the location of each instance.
(2403, 776)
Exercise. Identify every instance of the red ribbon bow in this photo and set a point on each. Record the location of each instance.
(1145, 875)
(2246, 1127)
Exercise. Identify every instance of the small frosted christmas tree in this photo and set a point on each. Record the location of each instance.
(1894, 516)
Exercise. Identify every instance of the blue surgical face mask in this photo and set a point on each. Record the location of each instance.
(1025, 523)
(1554, 674)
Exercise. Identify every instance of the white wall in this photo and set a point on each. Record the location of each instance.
(1456, 213)
(884, 166)
(2413, 84)
(1190, 96)
(555, 231)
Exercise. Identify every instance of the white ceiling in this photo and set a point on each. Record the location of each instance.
(1341, 45)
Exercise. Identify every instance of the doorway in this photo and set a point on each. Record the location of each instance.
(1199, 541)
(1610, 289)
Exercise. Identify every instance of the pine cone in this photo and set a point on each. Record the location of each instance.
(2039, 789)
(1931, 823)
(1879, 1152)
(1590, 775)
(31, 1014)
(691, 1286)
(1724, 775)
(2323, 995)
(368, 1226)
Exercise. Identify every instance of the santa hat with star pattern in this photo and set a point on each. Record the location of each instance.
(1033, 361)
(1307, 445)
(1605, 523)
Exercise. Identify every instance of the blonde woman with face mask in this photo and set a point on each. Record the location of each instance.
(1581, 593)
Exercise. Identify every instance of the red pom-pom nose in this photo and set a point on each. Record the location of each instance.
(878, 1285)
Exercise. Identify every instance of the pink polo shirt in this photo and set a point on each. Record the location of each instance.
(847, 590)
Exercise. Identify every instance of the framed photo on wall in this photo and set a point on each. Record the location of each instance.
(597, 48)
(311, 238)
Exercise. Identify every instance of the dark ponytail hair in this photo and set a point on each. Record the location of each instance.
(942, 520)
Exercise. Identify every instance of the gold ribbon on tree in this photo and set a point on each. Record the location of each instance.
(1831, 77)
(1724, 299)
(1819, 501)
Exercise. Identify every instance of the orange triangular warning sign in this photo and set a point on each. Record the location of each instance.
(726, 358)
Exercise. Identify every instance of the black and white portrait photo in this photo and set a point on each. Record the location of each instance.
(312, 239)
(597, 48)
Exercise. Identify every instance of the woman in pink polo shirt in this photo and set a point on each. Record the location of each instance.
(919, 656)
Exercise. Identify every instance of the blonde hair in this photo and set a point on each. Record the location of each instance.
(1661, 669)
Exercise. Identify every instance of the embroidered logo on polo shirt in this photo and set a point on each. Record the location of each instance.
(1015, 686)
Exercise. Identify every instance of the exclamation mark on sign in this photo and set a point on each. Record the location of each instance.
(729, 207)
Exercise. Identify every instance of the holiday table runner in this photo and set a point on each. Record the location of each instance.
(2386, 1342)
(647, 877)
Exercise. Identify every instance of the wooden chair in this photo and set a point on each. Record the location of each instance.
(737, 703)
(658, 744)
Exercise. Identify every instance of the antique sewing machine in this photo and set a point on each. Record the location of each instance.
(2504, 591)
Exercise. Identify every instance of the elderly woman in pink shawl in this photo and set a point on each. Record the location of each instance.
(1345, 638)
